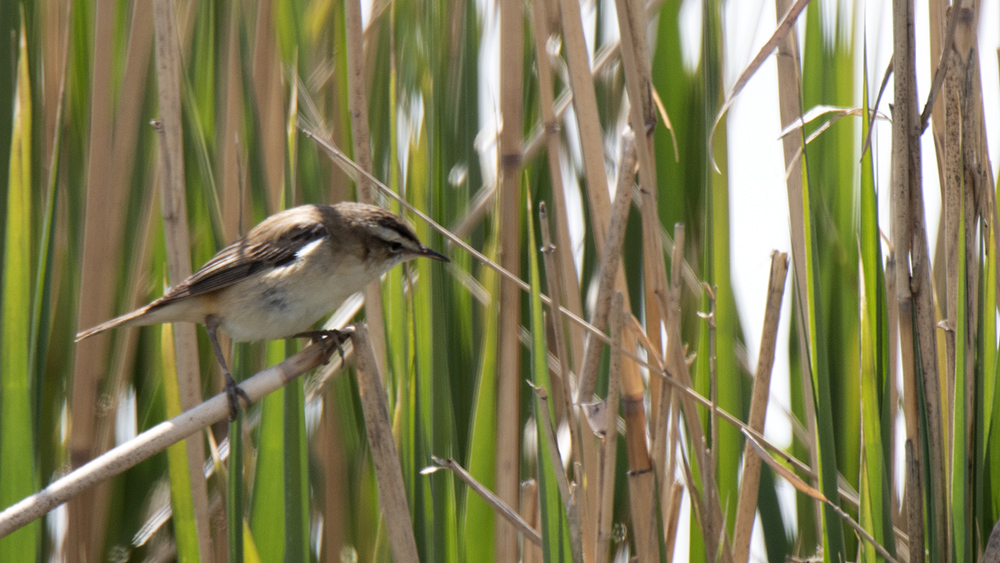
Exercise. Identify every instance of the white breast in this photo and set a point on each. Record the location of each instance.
(290, 299)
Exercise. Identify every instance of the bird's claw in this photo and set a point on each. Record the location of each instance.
(331, 339)
(233, 395)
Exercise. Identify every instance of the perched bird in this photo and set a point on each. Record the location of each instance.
(284, 275)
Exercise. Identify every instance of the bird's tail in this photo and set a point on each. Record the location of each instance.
(124, 320)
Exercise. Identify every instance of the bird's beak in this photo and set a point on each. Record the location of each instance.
(424, 251)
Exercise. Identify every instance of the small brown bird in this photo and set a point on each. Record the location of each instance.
(284, 275)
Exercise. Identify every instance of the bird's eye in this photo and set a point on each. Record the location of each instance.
(396, 247)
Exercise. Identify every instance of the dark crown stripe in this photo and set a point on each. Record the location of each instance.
(392, 223)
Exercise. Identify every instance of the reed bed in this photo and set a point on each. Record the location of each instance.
(574, 385)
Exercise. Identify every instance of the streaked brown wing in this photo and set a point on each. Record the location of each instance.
(241, 260)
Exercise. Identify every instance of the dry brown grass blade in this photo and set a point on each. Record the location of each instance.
(156, 440)
(509, 203)
(606, 484)
(785, 28)
(501, 508)
(747, 504)
(174, 197)
(805, 489)
(388, 473)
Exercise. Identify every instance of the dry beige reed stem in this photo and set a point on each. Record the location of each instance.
(553, 144)
(531, 553)
(610, 437)
(388, 473)
(913, 283)
(509, 202)
(663, 454)
(157, 439)
(580, 526)
(610, 259)
(588, 119)
(357, 103)
(747, 504)
(173, 194)
(632, 23)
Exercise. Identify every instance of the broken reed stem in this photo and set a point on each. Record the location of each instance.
(388, 473)
(155, 440)
(672, 511)
(747, 504)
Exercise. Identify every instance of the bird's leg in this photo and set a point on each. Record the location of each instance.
(333, 339)
(233, 391)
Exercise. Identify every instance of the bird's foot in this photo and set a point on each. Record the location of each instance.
(332, 340)
(233, 394)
